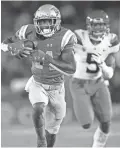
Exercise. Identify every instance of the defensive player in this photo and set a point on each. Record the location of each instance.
(95, 64)
(52, 58)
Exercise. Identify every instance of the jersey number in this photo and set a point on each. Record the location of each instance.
(50, 53)
(90, 61)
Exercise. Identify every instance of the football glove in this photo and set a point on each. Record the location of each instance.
(22, 48)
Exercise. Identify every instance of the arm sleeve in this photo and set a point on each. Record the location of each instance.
(110, 61)
(115, 44)
(69, 39)
(19, 35)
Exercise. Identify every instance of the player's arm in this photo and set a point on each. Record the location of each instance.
(115, 44)
(7, 42)
(66, 63)
(16, 43)
(117, 58)
(108, 67)
(19, 35)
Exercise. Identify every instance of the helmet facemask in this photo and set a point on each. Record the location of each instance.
(46, 27)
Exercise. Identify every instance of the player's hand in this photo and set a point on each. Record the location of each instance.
(21, 48)
(4, 47)
(97, 58)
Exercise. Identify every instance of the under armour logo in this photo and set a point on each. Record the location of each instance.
(49, 45)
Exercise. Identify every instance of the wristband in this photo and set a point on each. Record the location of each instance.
(4, 47)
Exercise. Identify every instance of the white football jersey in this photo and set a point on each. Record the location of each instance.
(86, 68)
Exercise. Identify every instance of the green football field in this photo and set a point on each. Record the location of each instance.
(70, 135)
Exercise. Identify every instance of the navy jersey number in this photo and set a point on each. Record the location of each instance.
(90, 61)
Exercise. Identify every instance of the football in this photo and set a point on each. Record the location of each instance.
(29, 43)
(24, 48)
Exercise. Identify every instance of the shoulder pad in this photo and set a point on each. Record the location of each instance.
(24, 31)
(63, 29)
(113, 39)
(115, 45)
(68, 38)
(80, 35)
(80, 31)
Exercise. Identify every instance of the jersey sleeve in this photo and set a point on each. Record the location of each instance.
(110, 61)
(10, 39)
(22, 33)
(115, 44)
(66, 62)
(79, 33)
(68, 41)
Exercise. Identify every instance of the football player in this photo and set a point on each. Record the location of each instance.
(95, 61)
(50, 46)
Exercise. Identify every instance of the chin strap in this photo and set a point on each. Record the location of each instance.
(95, 39)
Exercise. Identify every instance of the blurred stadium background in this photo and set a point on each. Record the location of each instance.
(17, 128)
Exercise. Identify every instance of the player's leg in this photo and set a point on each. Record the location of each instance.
(51, 138)
(39, 123)
(55, 113)
(52, 127)
(39, 100)
(103, 110)
(81, 103)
